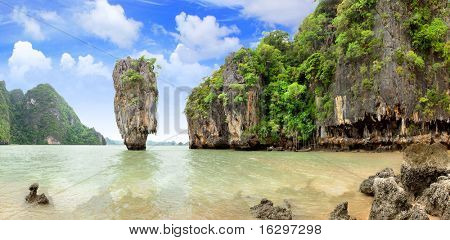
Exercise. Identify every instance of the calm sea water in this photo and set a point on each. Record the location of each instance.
(108, 182)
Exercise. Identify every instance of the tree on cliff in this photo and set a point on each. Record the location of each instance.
(350, 59)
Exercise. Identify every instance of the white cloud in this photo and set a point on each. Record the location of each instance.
(109, 22)
(202, 39)
(161, 30)
(175, 72)
(31, 26)
(24, 59)
(150, 2)
(67, 61)
(50, 16)
(284, 12)
(86, 66)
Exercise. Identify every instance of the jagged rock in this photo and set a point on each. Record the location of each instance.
(34, 198)
(341, 212)
(446, 215)
(436, 198)
(135, 100)
(366, 186)
(422, 165)
(266, 211)
(417, 212)
(389, 200)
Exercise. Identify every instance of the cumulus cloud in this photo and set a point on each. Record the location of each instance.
(86, 65)
(284, 12)
(67, 61)
(201, 39)
(24, 59)
(31, 27)
(109, 22)
(175, 72)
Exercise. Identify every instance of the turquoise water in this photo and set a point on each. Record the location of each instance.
(109, 182)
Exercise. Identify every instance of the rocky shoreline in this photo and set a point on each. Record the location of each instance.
(419, 192)
(422, 188)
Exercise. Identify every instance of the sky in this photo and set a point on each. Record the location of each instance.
(73, 46)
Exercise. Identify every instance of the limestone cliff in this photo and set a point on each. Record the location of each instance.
(367, 74)
(41, 116)
(135, 100)
(5, 126)
(220, 120)
(395, 97)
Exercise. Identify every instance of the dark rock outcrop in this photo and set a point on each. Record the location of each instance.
(436, 198)
(341, 212)
(34, 198)
(266, 211)
(389, 200)
(366, 186)
(135, 100)
(422, 165)
(417, 212)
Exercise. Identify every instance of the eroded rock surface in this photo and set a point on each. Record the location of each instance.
(223, 123)
(341, 212)
(135, 100)
(389, 200)
(266, 211)
(417, 212)
(422, 165)
(34, 198)
(386, 116)
(366, 186)
(436, 198)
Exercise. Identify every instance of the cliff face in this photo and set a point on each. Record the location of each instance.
(400, 94)
(135, 100)
(5, 135)
(42, 116)
(367, 74)
(230, 109)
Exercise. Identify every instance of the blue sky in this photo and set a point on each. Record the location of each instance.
(73, 46)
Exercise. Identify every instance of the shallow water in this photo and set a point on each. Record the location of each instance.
(108, 182)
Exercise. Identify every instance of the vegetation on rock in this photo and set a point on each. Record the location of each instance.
(299, 77)
(42, 116)
(135, 100)
(5, 135)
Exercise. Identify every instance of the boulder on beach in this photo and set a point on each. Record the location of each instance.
(422, 166)
(366, 186)
(266, 211)
(34, 198)
(436, 198)
(341, 212)
(389, 200)
(417, 212)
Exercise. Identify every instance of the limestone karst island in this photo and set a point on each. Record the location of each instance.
(328, 109)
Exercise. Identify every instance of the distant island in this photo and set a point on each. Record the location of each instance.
(41, 116)
(149, 143)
